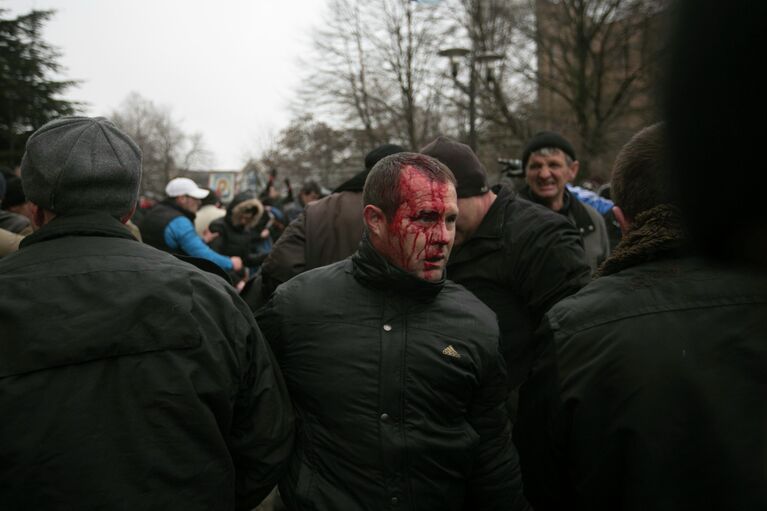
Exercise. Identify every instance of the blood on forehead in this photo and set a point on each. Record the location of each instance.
(418, 190)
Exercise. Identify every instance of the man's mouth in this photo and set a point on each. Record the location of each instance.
(547, 186)
(433, 262)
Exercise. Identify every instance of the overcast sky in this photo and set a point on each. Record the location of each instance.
(227, 69)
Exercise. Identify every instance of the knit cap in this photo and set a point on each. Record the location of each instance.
(545, 139)
(469, 172)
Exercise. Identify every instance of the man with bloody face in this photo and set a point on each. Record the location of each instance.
(414, 227)
(395, 372)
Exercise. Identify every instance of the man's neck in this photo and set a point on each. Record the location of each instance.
(557, 204)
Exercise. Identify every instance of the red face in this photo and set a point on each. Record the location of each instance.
(421, 234)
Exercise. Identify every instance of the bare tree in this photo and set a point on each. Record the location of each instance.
(308, 148)
(374, 69)
(596, 64)
(493, 103)
(167, 149)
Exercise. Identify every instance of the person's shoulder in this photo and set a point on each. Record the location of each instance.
(317, 291)
(458, 302)
(528, 225)
(180, 225)
(454, 293)
(334, 201)
(660, 286)
(595, 216)
(521, 212)
(322, 278)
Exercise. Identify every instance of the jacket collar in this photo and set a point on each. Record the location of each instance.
(491, 225)
(372, 269)
(576, 210)
(572, 208)
(489, 234)
(79, 223)
(169, 202)
(355, 184)
(656, 234)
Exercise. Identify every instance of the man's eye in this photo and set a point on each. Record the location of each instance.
(426, 217)
(451, 219)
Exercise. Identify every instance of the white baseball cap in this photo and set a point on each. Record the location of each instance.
(185, 186)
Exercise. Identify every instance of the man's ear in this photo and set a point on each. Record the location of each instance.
(624, 222)
(127, 216)
(375, 220)
(38, 215)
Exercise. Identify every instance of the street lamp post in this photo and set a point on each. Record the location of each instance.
(475, 60)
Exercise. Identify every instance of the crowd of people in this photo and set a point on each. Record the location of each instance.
(417, 339)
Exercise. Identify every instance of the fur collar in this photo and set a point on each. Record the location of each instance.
(656, 233)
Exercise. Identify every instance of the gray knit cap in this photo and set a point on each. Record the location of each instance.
(76, 163)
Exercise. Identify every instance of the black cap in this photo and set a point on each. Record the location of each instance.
(469, 172)
(357, 182)
(380, 153)
(544, 139)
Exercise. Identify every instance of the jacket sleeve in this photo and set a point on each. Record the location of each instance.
(268, 317)
(262, 433)
(287, 257)
(541, 430)
(603, 237)
(180, 235)
(550, 262)
(495, 482)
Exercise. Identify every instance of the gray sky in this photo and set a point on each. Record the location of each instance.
(227, 69)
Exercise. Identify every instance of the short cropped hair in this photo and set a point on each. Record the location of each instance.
(552, 151)
(311, 186)
(382, 186)
(640, 172)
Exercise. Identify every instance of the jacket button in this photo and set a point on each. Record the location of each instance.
(387, 328)
(385, 417)
(394, 501)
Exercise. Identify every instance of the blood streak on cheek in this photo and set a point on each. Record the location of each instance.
(402, 228)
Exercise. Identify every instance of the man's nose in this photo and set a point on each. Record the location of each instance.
(443, 235)
(545, 172)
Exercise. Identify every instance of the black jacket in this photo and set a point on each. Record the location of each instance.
(238, 239)
(652, 393)
(522, 259)
(155, 221)
(131, 380)
(399, 390)
(591, 225)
